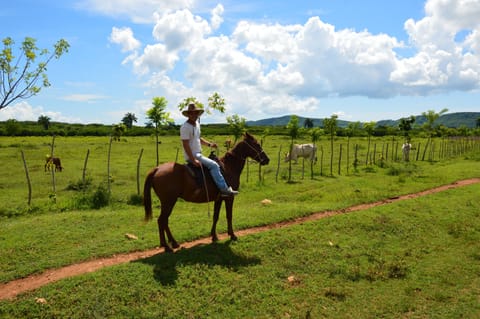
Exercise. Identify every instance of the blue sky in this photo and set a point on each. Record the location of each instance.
(364, 60)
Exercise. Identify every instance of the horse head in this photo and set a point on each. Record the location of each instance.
(254, 150)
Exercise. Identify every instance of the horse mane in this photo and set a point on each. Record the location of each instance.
(232, 155)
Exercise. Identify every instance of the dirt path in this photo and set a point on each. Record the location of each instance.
(13, 288)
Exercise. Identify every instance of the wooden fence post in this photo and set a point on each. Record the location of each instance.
(28, 179)
(138, 170)
(84, 183)
(278, 164)
(53, 171)
(108, 164)
(340, 159)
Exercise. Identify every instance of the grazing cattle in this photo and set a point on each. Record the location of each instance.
(406, 147)
(51, 162)
(308, 151)
(228, 144)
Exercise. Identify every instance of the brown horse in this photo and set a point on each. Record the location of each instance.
(173, 180)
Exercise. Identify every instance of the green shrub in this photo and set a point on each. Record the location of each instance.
(135, 200)
(101, 197)
(79, 185)
(92, 200)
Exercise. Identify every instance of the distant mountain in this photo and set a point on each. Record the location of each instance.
(469, 119)
(283, 121)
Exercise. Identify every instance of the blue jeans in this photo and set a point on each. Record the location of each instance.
(214, 169)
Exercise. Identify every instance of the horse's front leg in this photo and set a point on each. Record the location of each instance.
(163, 227)
(229, 209)
(161, 232)
(171, 240)
(216, 214)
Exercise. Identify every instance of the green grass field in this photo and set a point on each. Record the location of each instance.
(414, 259)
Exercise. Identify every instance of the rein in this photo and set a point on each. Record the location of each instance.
(206, 189)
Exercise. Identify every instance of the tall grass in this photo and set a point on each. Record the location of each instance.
(69, 194)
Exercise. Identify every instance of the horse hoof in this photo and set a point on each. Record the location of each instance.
(233, 237)
(168, 249)
(175, 245)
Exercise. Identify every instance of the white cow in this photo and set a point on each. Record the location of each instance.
(406, 147)
(308, 151)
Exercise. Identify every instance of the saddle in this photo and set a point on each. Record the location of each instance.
(196, 172)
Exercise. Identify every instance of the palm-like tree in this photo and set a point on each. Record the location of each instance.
(44, 121)
(405, 125)
(308, 123)
(128, 120)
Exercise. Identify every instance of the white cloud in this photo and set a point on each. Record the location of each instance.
(443, 62)
(23, 111)
(154, 58)
(268, 42)
(180, 29)
(266, 69)
(217, 19)
(124, 37)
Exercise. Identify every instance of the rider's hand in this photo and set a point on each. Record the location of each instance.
(196, 162)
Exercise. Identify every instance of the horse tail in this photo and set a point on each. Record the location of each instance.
(147, 197)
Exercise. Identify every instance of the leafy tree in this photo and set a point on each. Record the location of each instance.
(183, 105)
(216, 102)
(237, 126)
(12, 127)
(118, 130)
(128, 120)
(294, 132)
(352, 129)
(330, 125)
(431, 117)
(158, 117)
(20, 76)
(44, 121)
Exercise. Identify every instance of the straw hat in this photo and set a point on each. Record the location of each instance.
(192, 107)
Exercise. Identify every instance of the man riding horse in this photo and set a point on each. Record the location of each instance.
(192, 148)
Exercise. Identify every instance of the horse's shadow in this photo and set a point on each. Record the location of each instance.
(218, 254)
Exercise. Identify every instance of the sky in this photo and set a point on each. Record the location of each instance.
(364, 61)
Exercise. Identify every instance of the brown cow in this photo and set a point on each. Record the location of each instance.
(53, 161)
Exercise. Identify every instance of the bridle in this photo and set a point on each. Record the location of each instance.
(257, 155)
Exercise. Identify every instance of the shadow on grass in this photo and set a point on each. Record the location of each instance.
(218, 254)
